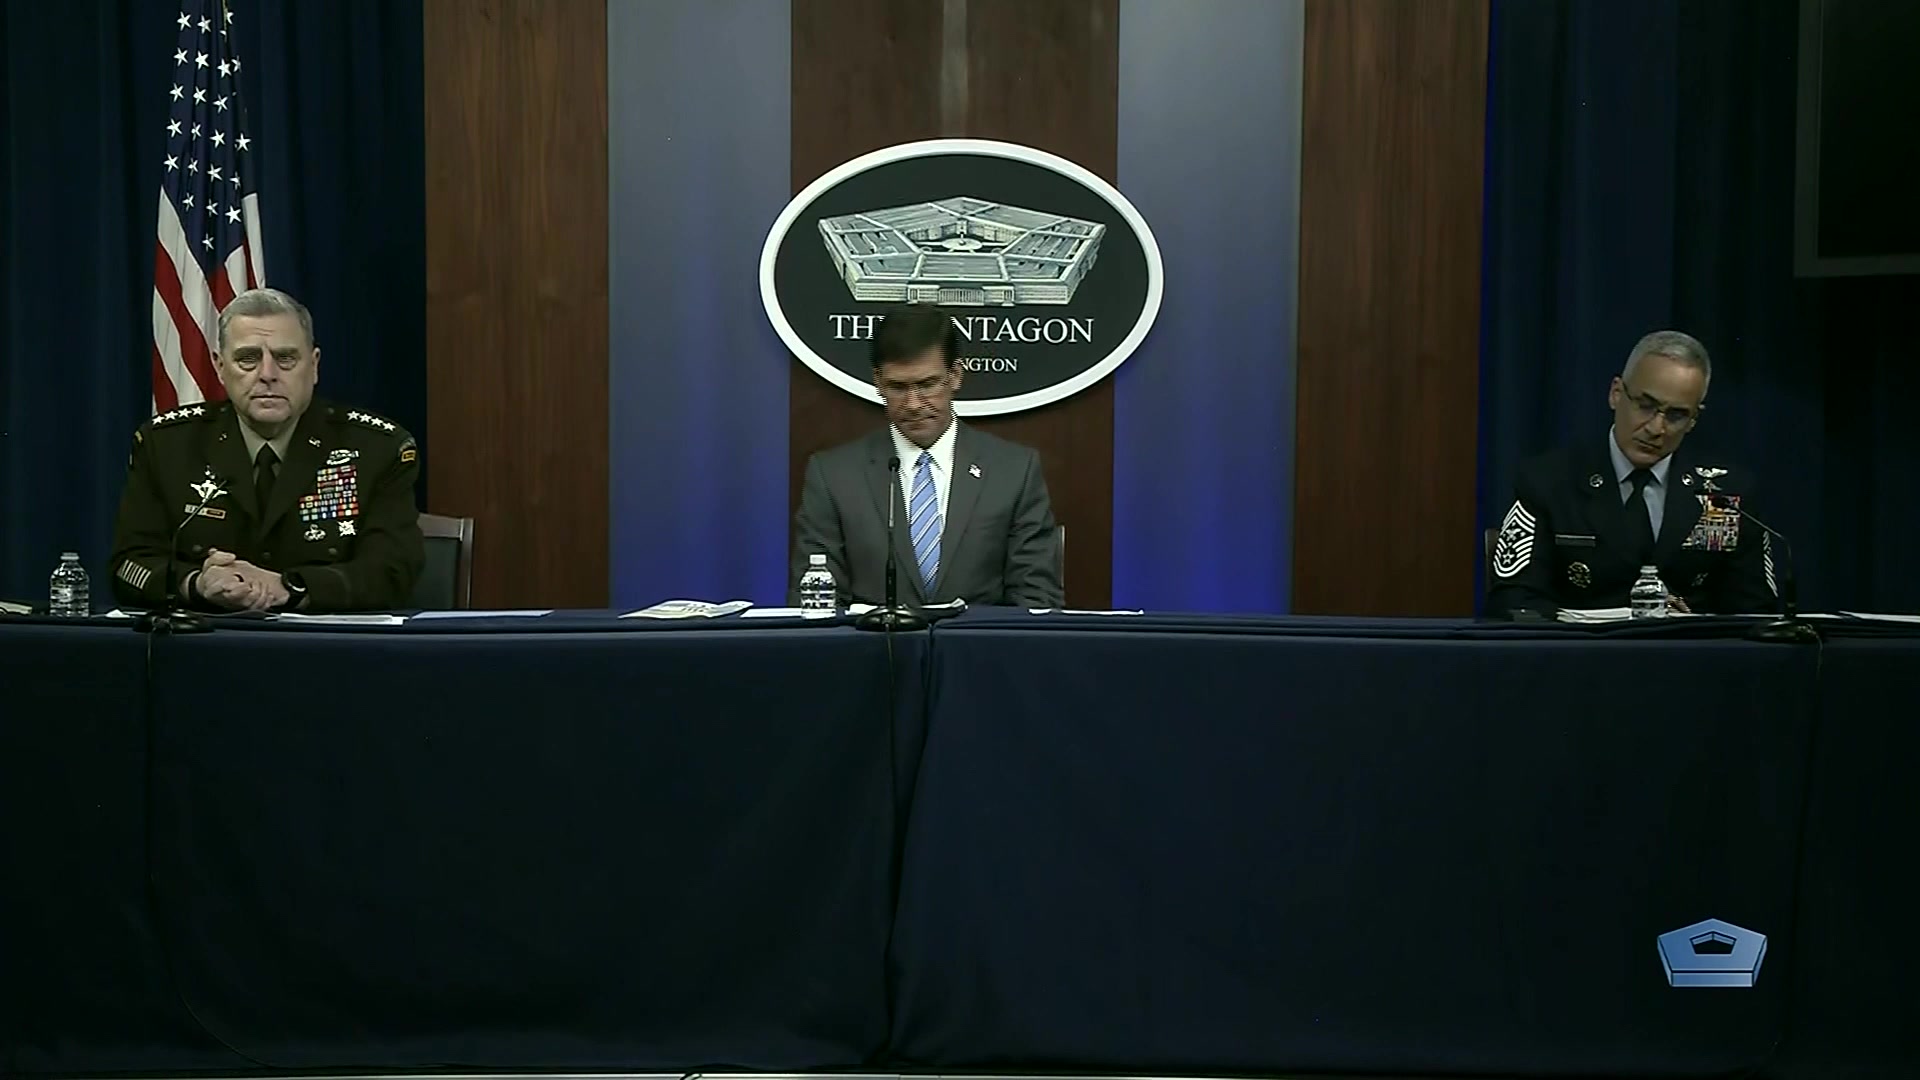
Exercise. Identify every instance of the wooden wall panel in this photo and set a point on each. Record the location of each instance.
(872, 73)
(1388, 362)
(516, 155)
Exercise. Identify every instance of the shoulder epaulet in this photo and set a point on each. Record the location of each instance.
(367, 419)
(174, 416)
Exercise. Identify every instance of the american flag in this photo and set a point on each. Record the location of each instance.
(209, 224)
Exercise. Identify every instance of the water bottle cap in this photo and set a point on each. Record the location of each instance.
(816, 560)
(66, 556)
(1649, 569)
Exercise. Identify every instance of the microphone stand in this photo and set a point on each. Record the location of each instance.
(170, 618)
(1789, 628)
(891, 616)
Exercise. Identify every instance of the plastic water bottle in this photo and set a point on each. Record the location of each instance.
(67, 592)
(819, 596)
(1648, 600)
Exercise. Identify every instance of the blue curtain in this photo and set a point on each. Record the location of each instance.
(1640, 164)
(334, 101)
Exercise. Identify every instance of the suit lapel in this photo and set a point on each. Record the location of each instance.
(963, 491)
(297, 472)
(231, 465)
(883, 485)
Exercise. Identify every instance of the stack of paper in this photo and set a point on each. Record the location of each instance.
(951, 605)
(1609, 615)
(339, 620)
(689, 609)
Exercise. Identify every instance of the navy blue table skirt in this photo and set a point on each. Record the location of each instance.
(1186, 847)
(645, 849)
(1131, 845)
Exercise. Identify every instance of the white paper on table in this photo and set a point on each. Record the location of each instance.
(1611, 615)
(116, 613)
(773, 613)
(1880, 616)
(339, 620)
(1077, 611)
(529, 613)
(1595, 615)
(689, 609)
(950, 605)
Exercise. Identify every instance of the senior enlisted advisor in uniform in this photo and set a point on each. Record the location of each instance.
(1586, 518)
(295, 503)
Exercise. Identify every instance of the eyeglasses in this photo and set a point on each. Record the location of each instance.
(925, 388)
(1648, 406)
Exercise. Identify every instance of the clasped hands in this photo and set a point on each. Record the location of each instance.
(238, 585)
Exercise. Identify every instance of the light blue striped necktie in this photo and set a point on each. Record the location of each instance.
(923, 520)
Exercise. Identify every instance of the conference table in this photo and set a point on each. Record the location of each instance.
(1135, 844)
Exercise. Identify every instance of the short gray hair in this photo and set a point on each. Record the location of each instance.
(1682, 349)
(261, 302)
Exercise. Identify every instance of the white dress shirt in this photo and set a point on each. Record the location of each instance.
(1656, 489)
(942, 451)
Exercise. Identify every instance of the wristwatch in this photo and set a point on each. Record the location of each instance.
(296, 587)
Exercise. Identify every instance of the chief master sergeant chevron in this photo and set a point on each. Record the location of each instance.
(301, 504)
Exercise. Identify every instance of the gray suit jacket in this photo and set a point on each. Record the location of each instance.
(997, 544)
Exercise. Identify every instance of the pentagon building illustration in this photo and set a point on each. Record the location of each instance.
(961, 251)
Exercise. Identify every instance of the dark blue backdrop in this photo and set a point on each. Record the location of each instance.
(333, 93)
(1640, 161)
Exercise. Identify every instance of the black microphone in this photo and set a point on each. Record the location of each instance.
(169, 619)
(1789, 627)
(892, 596)
(890, 616)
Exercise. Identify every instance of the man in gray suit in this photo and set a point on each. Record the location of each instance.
(971, 515)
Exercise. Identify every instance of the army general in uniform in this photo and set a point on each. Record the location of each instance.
(1584, 519)
(279, 501)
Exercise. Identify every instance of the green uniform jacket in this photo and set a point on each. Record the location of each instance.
(341, 515)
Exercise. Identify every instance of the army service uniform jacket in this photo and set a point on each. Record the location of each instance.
(1566, 540)
(341, 514)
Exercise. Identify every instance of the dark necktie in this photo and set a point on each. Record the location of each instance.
(266, 466)
(1637, 519)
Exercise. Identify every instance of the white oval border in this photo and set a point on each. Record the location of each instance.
(1149, 309)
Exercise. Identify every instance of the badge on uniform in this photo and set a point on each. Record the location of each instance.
(346, 527)
(1579, 575)
(1719, 525)
(1708, 475)
(336, 494)
(206, 489)
(341, 456)
(1514, 550)
(213, 512)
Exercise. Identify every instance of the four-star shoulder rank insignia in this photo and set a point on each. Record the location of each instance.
(370, 420)
(182, 413)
